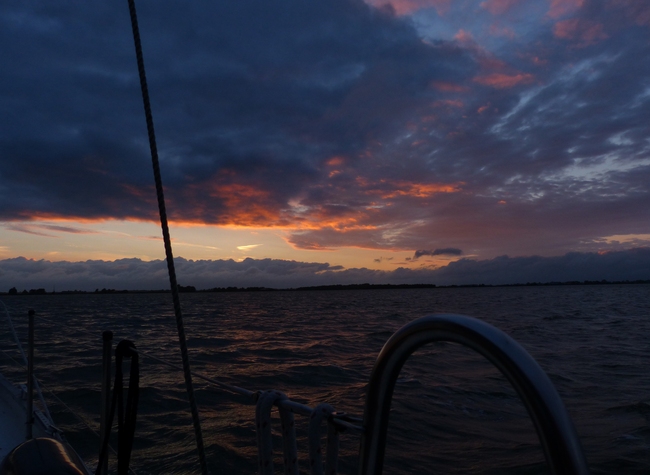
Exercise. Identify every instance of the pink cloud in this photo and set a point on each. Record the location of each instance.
(464, 36)
(498, 7)
(448, 87)
(504, 81)
(419, 190)
(560, 8)
(448, 103)
(406, 7)
(582, 32)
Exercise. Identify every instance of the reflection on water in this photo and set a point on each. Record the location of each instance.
(452, 412)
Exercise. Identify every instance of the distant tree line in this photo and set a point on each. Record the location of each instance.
(365, 286)
(14, 291)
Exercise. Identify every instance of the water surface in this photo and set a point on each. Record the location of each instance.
(452, 412)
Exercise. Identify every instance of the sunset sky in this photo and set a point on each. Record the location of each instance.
(346, 139)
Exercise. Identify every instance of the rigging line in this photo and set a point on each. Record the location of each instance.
(225, 386)
(84, 422)
(168, 246)
(13, 332)
(39, 393)
(344, 421)
(66, 407)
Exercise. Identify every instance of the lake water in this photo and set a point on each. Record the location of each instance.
(452, 412)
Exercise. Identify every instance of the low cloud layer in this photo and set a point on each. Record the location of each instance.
(133, 274)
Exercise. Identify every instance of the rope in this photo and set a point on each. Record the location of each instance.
(336, 422)
(166, 237)
(315, 452)
(84, 422)
(341, 420)
(125, 418)
(228, 387)
(81, 419)
(264, 436)
(22, 353)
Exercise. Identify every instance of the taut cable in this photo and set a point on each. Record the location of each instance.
(168, 245)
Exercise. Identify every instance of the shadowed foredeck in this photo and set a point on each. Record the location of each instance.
(12, 417)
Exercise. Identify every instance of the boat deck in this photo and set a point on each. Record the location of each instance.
(12, 417)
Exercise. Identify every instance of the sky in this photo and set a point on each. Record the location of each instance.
(436, 141)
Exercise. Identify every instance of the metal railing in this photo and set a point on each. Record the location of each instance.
(557, 435)
(28, 361)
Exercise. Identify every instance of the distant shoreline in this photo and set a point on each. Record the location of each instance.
(192, 289)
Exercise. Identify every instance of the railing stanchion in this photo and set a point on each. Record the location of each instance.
(30, 376)
(107, 338)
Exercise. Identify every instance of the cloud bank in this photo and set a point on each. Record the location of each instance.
(135, 274)
(518, 129)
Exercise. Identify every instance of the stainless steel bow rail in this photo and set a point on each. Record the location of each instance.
(554, 427)
(32, 382)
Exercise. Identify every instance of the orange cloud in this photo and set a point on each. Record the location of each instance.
(583, 32)
(421, 190)
(241, 205)
(368, 217)
(497, 73)
(504, 81)
(464, 36)
(342, 224)
(340, 218)
(246, 205)
(224, 202)
(335, 161)
(235, 193)
(560, 8)
(406, 7)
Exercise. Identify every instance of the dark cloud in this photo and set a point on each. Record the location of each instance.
(243, 94)
(26, 230)
(137, 274)
(350, 124)
(614, 266)
(447, 251)
(34, 229)
(381, 259)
